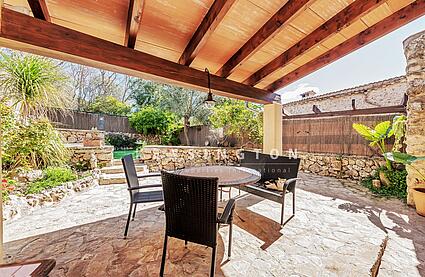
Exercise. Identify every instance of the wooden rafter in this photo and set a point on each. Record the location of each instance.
(262, 36)
(39, 9)
(25, 33)
(389, 24)
(135, 11)
(210, 22)
(342, 19)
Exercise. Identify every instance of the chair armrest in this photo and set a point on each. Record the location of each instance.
(290, 184)
(228, 211)
(153, 174)
(145, 187)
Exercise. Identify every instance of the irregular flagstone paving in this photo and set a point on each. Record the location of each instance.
(337, 231)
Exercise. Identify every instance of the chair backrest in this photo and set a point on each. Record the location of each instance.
(271, 167)
(190, 208)
(130, 172)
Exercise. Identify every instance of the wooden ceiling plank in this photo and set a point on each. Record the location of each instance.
(135, 11)
(342, 19)
(380, 29)
(262, 36)
(39, 9)
(25, 33)
(210, 22)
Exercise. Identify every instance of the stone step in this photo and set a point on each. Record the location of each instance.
(115, 169)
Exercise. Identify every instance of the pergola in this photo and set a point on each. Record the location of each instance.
(252, 48)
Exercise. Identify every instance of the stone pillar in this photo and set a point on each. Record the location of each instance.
(414, 49)
(272, 129)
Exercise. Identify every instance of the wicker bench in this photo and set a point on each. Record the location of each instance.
(272, 168)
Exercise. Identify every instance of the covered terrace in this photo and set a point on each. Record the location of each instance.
(252, 49)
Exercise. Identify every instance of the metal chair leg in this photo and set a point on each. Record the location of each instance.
(230, 238)
(164, 253)
(128, 220)
(213, 262)
(293, 202)
(134, 211)
(221, 194)
(185, 243)
(282, 214)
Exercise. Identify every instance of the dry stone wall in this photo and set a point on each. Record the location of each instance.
(175, 157)
(347, 167)
(91, 157)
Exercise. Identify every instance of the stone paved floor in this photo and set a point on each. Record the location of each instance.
(338, 231)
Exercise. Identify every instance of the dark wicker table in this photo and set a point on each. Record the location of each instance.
(228, 176)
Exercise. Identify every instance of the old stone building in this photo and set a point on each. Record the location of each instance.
(388, 92)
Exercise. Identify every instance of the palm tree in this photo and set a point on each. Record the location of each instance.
(33, 84)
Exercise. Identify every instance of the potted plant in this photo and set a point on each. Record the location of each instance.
(419, 190)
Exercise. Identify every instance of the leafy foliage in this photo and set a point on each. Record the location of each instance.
(399, 129)
(7, 185)
(405, 159)
(150, 121)
(383, 131)
(238, 120)
(121, 141)
(33, 83)
(109, 105)
(52, 177)
(397, 187)
(34, 145)
(154, 121)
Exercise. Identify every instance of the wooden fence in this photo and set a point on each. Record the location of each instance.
(87, 121)
(329, 134)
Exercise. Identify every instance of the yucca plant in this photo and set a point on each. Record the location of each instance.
(32, 83)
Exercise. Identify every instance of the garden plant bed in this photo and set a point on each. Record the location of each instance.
(19, 205)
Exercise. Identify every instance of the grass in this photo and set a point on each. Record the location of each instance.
(118, 154)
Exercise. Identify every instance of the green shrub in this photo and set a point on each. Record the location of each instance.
(397, 187)
(154, 121)
(34, 145)
(121, 141)
(52, 177)
(150, 121)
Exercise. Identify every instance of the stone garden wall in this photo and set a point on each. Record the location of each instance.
(87, 157)
(347, 167)
(175, 157)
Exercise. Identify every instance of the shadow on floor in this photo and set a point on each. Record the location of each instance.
(98, 249)
(406, 223)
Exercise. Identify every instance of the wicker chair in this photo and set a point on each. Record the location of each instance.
(136, 195)
(191, 212)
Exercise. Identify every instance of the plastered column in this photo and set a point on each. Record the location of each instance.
(414, 49)
(272, 129)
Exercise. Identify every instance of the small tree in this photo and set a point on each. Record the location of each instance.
(238, 120)
(109, 105)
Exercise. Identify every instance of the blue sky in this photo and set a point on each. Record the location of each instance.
(381, 59)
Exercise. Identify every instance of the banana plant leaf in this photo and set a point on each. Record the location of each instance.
(402, 158)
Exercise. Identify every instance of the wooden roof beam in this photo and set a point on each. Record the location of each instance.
(342, 19)
(210, 22)
(135, 11)
(380, 29)
(25, 33)
(263, 35)
(39, 9)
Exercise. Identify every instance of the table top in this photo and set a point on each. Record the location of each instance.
(228, 176)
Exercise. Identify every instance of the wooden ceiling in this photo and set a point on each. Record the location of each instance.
(252, 47)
